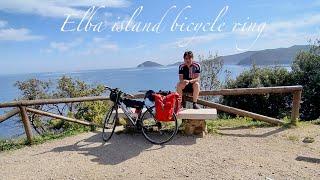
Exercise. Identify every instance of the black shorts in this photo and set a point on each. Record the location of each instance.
(188, 88)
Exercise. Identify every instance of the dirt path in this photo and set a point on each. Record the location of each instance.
(261, 153)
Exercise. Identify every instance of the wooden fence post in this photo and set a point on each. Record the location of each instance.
(26, 123)
(295, 107)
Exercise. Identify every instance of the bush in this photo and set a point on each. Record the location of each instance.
(66, 87)
(306, 72)
(274, 105)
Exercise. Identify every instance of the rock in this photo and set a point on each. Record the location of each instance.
(195, 127)
(308, 140)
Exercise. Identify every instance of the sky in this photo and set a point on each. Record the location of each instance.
(50, 36)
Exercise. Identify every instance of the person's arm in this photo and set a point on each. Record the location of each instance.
(181, 75)
(197, 79)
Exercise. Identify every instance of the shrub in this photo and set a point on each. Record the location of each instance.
(274, 105)
(66, 87)
(306, 72)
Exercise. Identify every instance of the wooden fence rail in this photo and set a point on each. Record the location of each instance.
(44, 113)
(51, 101)
(248, 91)
(237, 111)
(296, 91)
(22, 106)
(9, 114)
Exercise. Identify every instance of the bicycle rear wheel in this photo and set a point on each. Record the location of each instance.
(158, 132)
(109, 124)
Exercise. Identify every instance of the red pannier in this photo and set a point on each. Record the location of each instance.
(166, 106)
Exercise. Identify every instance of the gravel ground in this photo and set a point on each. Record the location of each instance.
(260, 153)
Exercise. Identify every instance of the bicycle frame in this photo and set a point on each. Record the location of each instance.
(128, 113)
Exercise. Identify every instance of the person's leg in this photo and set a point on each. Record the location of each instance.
(196, 91)
(180, 87)
(180, 90)
(195, 94)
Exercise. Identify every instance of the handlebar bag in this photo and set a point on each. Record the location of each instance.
(165, 106)
(133, 103)
(113, 96)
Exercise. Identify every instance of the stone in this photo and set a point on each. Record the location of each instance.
(194, 127)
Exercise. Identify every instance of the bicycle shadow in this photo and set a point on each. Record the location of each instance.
(120, 148)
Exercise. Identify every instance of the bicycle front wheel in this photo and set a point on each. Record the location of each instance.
(109, 124)
(158, 132)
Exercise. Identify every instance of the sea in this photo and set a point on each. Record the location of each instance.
(130, 80)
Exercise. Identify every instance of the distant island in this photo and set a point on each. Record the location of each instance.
(149, 64)
(155, 64)
(262, 57)
(265, 57)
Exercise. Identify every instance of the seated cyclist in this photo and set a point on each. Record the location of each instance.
(189, 77)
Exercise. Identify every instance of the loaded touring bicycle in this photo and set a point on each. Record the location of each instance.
(155, 127)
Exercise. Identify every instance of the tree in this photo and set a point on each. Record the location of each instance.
(35, 89)
(306, 72)
(211, 67)
(66, 87)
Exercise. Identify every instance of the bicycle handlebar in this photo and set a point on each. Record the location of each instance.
(130, 95)
(109, 88)
(117, 89)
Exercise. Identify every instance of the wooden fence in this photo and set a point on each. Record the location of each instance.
(21, 107)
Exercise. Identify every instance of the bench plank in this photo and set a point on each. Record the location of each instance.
(197, 114)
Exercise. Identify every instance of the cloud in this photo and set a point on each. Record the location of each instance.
(277, 33)
(100, 46)
(294, 24)
(139, 46)
(16, 34)
(21, 34)
(91, 47)
(3, 23)
(193, 40)
(292, 31)
(64, 46)
(83, 3)
(57, 8)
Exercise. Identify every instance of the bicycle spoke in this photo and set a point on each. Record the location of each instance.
(156, 131)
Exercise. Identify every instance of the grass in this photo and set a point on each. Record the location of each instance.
(237, 122)
(305, 123)
(315, 122)
(213, 126)
(293, 138)
(7, 145)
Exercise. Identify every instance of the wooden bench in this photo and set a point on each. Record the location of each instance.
(193, 120)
